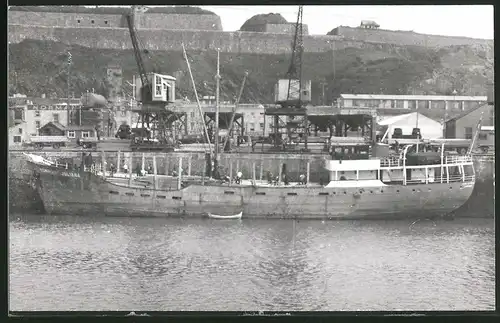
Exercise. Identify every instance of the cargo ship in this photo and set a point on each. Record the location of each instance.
(397, 187)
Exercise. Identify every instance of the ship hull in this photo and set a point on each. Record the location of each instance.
(66, 193)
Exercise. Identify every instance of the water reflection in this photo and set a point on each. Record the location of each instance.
(173, 264)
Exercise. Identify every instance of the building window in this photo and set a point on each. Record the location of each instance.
(261, 125)
(252, 127)
(71, 134)
(192, 114)
(56, 117)
(18, 114)
(483, 136)
(158, 86)
(105, 22)
(123, 113)
(37, 125)
(85, 134)
(20, 131)
(17, 139)
(37, 113)
(192, 125)
(468, 132)
(92, 21)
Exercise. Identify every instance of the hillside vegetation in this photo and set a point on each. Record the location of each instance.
(37, 67)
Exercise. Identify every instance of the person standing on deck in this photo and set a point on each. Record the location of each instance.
(269, 177)
(239, 175)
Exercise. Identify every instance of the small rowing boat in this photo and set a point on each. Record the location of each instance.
(226, 217)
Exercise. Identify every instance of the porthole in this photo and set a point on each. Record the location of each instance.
(92, 21)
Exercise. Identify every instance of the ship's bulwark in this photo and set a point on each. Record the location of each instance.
(63, 194)
(479, 205)
(22, 194)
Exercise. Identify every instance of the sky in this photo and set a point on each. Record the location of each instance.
(474, 21)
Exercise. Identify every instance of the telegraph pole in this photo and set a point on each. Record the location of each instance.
(69, 87)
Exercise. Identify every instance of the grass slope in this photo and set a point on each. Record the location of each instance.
(37, 67)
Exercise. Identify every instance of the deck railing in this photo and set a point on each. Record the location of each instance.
(394, 161)
(457, 159)
(391, 161)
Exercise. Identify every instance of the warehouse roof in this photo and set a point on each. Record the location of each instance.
(412, 97)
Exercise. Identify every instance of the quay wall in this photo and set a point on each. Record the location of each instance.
(23, 198)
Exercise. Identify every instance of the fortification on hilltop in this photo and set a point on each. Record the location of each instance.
(166, 28)
(408, 38)
(271, 23)
(115, 18)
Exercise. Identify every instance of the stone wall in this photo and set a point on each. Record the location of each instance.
(50, 19)
(145, 20)
(177, 21)
(284, 28)
(403, 37)
(234, 42)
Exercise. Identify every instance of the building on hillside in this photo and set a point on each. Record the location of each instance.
(80, 132)
(429, 128)
(123, 113)
(18, 134)
(114, 80)
(36, 112)
(410, 102)
(253, 117)
(369, 24)
(52, 129)
(464, 125)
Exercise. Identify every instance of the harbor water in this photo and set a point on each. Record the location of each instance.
(152, 264)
